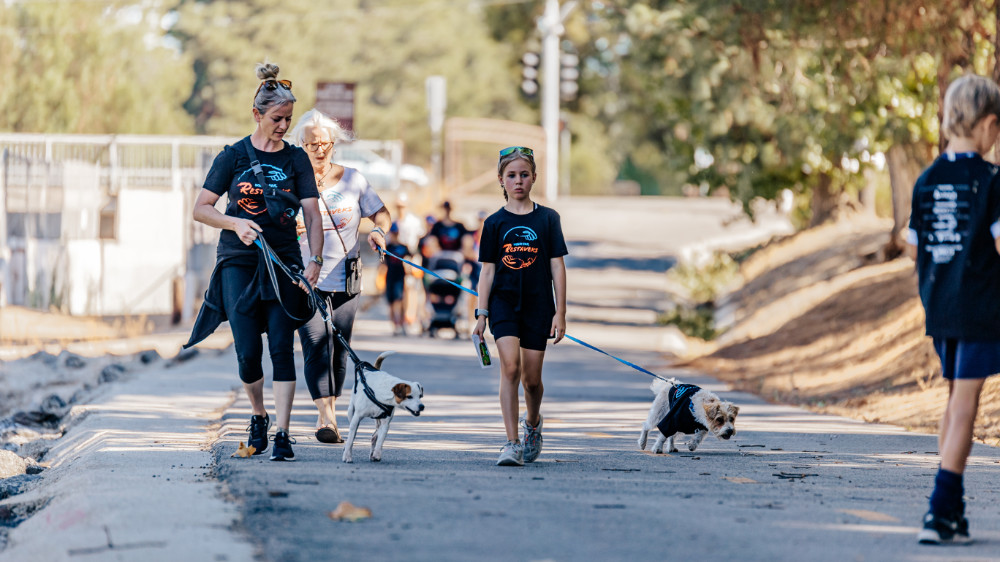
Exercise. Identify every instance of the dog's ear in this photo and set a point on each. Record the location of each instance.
(401, 391)
(712, 409)
(734, 410)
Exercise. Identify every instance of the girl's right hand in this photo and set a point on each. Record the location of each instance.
(480, 328)
(247, 230)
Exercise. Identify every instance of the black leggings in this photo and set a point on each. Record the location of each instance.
(267, 317)
(325, 373)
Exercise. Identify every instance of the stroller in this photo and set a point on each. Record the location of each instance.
(443, 297)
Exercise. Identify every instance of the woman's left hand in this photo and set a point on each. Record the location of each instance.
(558, 327)
(312, 275)
(377, 242)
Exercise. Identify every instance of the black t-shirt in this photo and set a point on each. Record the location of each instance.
(450, 236)
(955, 204)
(288, 169)
(522, 246)
(394, 269)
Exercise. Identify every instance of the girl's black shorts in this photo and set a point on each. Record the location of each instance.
(531, 327)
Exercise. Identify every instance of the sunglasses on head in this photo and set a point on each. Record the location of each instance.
(512, 149)
(272, 84)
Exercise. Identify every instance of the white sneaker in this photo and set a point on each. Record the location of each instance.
(512, 454)
(532, 439)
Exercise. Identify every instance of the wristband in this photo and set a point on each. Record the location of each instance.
(379, 230)
(318, 260)
(482, 312)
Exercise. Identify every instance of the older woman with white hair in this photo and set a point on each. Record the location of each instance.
(345, 197)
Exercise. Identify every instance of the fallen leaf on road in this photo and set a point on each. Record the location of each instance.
(792, 475)
(870, 515)
(347, 511)
(740, 479)
(244, 451)
(598, 434)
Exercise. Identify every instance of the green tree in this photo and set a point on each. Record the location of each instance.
(388, 48)
(773, 94)
(77, 69)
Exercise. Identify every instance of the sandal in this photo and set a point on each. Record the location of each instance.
(329, 435)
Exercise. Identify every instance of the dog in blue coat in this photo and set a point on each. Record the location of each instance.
(688, 409)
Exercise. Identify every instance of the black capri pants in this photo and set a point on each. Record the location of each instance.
(325, 371)
(266, 317)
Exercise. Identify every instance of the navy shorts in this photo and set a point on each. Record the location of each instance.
(961, 359)
(394, 290)
(531, 329)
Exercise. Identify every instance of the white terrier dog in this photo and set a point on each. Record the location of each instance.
(688, 409)
(388, 393)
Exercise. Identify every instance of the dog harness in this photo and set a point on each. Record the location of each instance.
(359, 375)
(680, 418)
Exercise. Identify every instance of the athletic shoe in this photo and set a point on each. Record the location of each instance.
(941, 530)
(282, 447)
(512, 454)
(532, 438)
(258, 433)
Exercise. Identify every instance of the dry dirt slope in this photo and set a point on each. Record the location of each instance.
(818, 322)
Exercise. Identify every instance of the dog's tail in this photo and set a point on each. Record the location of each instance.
(378, 361)
(659, 384)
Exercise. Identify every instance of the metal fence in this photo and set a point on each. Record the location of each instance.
(58, 191)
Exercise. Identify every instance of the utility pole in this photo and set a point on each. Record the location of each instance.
(437, 102)
(550, 25)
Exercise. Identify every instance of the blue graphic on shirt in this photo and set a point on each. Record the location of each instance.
(519, 250)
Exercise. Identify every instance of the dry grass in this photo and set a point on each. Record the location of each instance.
(819, 324)
(26, 327)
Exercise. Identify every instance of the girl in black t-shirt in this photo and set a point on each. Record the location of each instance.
(521, 251)
(240, 289)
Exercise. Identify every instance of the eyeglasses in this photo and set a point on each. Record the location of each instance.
(272, 84)
(512, 149)
(317, 146)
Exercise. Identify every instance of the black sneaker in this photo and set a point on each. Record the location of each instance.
(940, 530)
(258, 433)
(282, 450)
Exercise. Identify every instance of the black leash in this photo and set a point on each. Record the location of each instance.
(318, 304)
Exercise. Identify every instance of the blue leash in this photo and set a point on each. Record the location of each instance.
(569, 337)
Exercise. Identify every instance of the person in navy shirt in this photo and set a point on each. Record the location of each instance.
(953, 236)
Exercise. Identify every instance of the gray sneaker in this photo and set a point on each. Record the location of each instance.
(532, 438)
(512, 454)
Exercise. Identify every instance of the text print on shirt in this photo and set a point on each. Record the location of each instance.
(948, 217)
(331, 200)
(518, 247)
(251, 194)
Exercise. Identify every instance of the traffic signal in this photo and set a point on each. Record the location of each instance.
(569, 73)
(529, 73)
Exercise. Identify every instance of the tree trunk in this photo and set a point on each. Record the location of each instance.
(824, 201)
(904, 168)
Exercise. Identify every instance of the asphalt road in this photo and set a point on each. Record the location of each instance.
(790, 485)
(145, 472)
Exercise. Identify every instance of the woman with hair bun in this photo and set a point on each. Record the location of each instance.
(241, 290)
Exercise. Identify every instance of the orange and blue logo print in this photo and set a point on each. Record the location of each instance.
(252, 195)
(519, 250)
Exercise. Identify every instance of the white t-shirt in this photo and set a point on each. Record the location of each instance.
(411, 229)
(343, 204)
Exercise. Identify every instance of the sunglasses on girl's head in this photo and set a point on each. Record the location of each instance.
(512, 149)
(271, 84)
